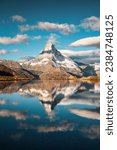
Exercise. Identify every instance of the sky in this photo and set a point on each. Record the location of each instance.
(26, 26)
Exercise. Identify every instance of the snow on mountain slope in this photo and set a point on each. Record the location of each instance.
(50, 54)
(51, 60)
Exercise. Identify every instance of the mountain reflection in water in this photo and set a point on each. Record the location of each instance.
(49, 114)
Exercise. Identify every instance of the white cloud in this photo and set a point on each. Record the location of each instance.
(36, 37)
(16, 114)
(81, 53)
(27, 27)
(91, 132)
(2, 102)
(88, 57)
(91, 114)
(62, 28)
(18, 18)
(14, 50)
(61, 127)
(90, 60)
(52, 38)
(64, 127)
(82, 100)
(19, 38)
(24, 28)
(90, 41)
(91, 23)
(4, 51)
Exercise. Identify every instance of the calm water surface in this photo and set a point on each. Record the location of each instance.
(49, 115)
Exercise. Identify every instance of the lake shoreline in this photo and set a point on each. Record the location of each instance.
(89, 78)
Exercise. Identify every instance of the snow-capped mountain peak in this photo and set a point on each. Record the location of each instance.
(49, 47)
(52, 62)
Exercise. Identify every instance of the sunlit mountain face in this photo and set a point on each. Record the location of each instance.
(49, 114)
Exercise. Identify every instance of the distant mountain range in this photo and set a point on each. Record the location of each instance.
(50, 64)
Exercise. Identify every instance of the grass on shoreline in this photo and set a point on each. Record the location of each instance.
(83, 79)
(4, 78)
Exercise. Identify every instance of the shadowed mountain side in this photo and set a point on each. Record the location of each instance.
(5, 71)
(12, 70)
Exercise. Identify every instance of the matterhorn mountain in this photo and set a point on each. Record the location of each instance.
(51, 64)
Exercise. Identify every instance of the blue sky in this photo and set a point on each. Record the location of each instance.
(26, 26)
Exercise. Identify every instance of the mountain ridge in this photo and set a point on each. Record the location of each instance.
(49, 64)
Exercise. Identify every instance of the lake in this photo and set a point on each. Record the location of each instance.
(49, 115)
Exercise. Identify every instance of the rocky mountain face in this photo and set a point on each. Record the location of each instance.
(13, 70)
(5, 71)
(51, 64)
